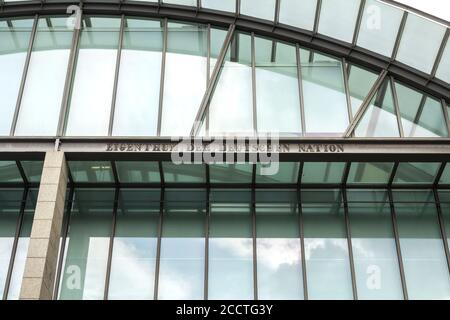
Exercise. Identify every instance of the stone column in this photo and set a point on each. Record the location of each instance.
(40, 265)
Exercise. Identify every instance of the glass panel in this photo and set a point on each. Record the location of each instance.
(92, 90)
(33, 170)
(10, 200)
(277, 88)
(370, 172)
(9, 172)
(445, 178)
(183, 245)
(420, 43)
(222, 5)
(137, 102)
(277, 172)
(326, 247)
(184, 173)
(192, 3)
(374, 249)
(217, 39)
(230, 246)
(231, 173)
(300, 14)
(22, 246)
(380, 118)
(87, 244)
(444, 197)
(443, 71)
(338, 18)
(360, 82)
(263, 9)
(14, 41)
(138, 172)
(231, 106)
(324, 93)
(185, 77)
(416, 172)
(91, 171)
(134, 252)
(424, 260)
(46, 76)
(278, 245)
(379, 27)
(323, 172)
(422, 116)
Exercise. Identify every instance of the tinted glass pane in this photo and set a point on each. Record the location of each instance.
(277, 88)
(443, 71)
(417, 172)
(22, 246)
(91, 171)
(263, 9)
(230, 246)
(445, 178)
(277, 172)
(324, 93)
(424, 260)
(87, 244)
(360, 82)
(326, 247)
(14, 41)
(233, 113)
(278, 245)
(92, 90)
(380, 119)
(46, 77)
(323, 172)
(444, 197)
(188, 173)
(222, 5)
(137, 102)
(370, 172)
(183, 245)
(231, 173)
(374, 249)
(422, 116)
(338, 18)
(185, 77)
(134, 250)
(379, 27)
(9, 172)
(192, 3)
(300, 14)
(10, 201)
(33, 170)
(420, 42)
(138, 172)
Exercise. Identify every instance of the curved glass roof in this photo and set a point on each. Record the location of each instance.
(132, 76)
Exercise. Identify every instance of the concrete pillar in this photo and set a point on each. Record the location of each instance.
(40, 265)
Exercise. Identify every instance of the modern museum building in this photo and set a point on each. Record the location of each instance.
(224, 149)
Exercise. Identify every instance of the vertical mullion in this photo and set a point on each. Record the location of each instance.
(447, 121)
(255, 118)
(163, 71)
(24, 75)
(347, 90)
(277, 12)
(22, 173)
(397, 107)
(238, 7)
(440, 53)
(399, 36)
(255, 257)
(317, 17)
(300, 89)
(349, 243)
(158, 245)
(302, 243)
(439, 174)
(208, 75)
(15, 242)
(111, 243)
(397, 245)
(68, 81)
(442, 226)
(116, 76)
(393, 174)
(358, 22)
(63, 242)
(207, 222)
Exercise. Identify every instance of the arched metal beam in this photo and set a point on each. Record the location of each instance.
(304, 38)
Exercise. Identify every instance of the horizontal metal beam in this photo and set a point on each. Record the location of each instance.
(305, 38)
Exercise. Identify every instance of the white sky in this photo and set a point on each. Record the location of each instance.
(438, 8)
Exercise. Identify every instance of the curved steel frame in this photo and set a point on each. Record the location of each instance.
(310, 39)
